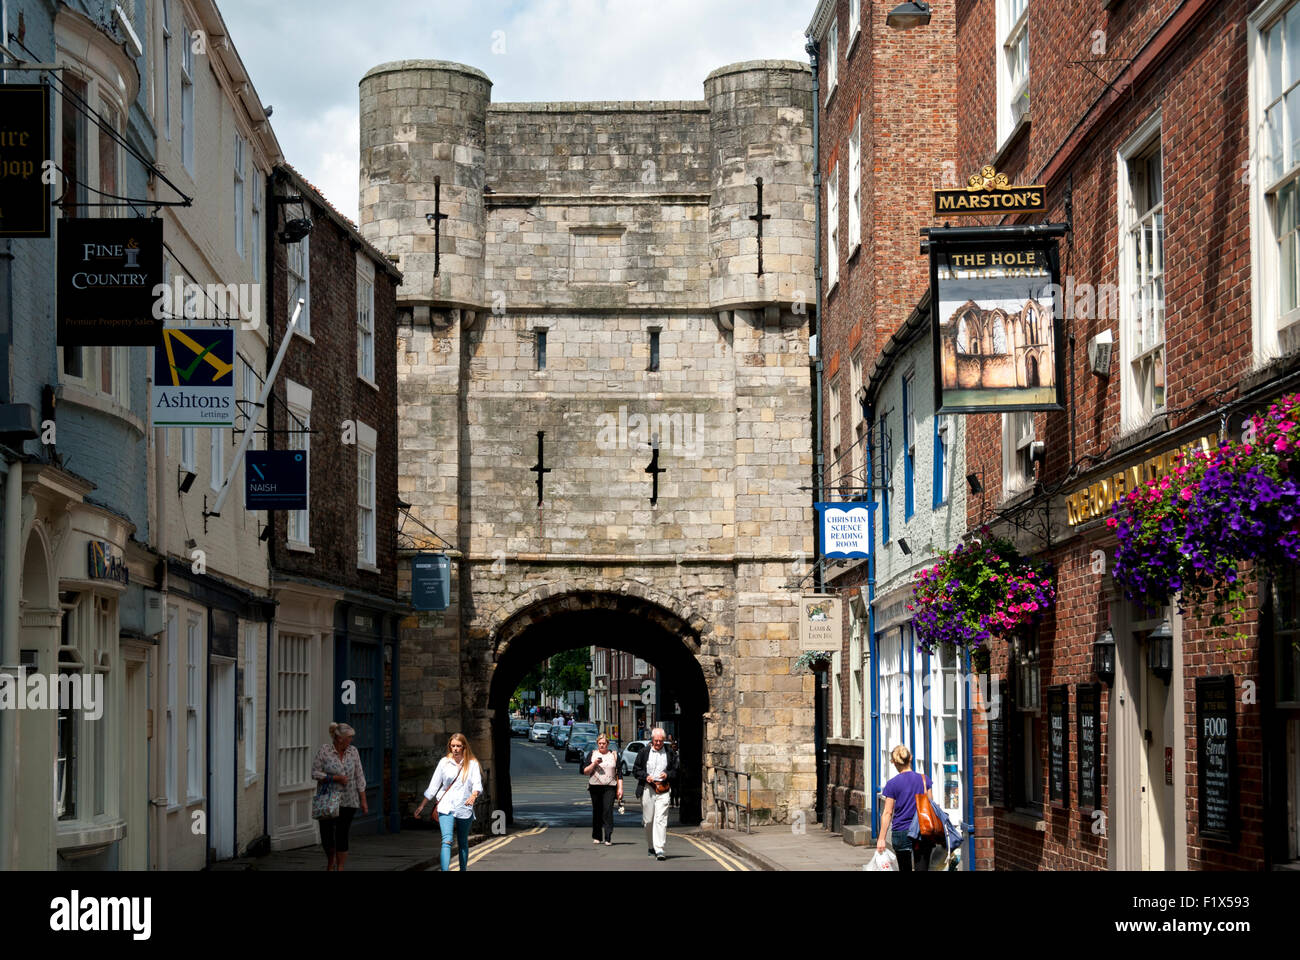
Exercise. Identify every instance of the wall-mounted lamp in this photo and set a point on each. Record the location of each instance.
(265, 534)
(903, 545)
(1103, 657)
(973, 481)
(185, 479)
(1100, 349)
(191, 543)
(913, 13)
(1160, 651)
(295, 230)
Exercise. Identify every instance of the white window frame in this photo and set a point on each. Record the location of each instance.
(833, 228)
(855, 25)
(1136, 408)
(835, 469)
(171, 754)
(255, 234)
(195, 766)
(252, 389)
(298, 526)
(857, 669)
(1276, 330)
(857, 458)
(366, 319)
(238, 187)
(1017, 448)
(1012, 56)
(831, 52)
(855, 187)
(298, 271)
(188, 119)
(837, 694)
(945, 700)
(367, 515)
(189, 458)
(166, 51)
(216, 458)
(893, 705)
(946, 434)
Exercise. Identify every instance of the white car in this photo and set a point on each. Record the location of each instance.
(539, 732)
(630, 754)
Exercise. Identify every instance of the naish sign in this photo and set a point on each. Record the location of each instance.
(989, 192)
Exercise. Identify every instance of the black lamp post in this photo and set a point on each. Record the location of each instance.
(1160, 651)
(1103, 657)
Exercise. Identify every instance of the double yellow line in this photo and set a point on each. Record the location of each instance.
(729, 861)
(493, 845)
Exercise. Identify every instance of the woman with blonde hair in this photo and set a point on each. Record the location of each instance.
(460, 779)
(900, 807)
(337, 767)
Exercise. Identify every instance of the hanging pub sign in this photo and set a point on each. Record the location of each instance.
(275, 480)
(430, 581)
(1216, 758)
(1087, 698)
(1058, 746)
(845, 529)
(194, 378)
(993, 302)
(108, 268)
(24, 147)
(819, 622)
(989, 193)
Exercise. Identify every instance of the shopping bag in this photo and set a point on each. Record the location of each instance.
(325, 804)
(883, 861)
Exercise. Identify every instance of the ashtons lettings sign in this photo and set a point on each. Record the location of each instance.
(1096, 499)
(988, 192)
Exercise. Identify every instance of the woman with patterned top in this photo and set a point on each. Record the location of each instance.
(338, 764)
(460, 779)
(606, 786)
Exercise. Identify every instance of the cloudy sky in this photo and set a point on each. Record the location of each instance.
(306, 57)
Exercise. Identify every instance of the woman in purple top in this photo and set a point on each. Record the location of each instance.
(900, 807)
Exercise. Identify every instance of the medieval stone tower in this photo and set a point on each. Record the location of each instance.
(584, 322)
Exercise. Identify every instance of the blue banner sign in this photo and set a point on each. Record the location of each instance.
(275, 480)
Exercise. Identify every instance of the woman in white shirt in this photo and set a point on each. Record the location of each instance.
(460, 779)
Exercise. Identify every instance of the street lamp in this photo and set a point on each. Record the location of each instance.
(1103, 657)
(913, 13)
(1160, 651)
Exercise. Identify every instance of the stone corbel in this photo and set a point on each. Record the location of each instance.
(726, 320)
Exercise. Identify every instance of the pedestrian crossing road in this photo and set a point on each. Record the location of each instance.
(552, 829)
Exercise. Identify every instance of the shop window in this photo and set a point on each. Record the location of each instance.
(1286, 643)
(293, 711)
(893, 686)
(945, 732)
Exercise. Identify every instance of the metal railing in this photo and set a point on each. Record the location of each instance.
(726, 794)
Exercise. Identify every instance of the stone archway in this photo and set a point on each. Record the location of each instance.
(631, 617)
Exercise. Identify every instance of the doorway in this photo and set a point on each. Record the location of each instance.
(221, 804)
(1157, 772)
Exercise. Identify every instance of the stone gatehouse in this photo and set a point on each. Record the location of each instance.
(605, 401)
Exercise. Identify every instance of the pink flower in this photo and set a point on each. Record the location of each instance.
(1246, 448)
(1186, 493)
(1281, 444)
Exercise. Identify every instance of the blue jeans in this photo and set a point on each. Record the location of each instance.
(461, 826)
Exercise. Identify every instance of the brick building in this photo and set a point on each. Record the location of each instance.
(1180, 192)
(887, 135)
(334, 565)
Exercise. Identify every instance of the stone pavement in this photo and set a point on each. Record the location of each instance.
(411, 849)
(778, 847)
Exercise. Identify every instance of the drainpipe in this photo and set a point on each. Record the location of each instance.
(970, 772)
(13, 513)
(868, 753)
(812, 47)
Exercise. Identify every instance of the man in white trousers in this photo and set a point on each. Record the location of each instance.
(656, 764)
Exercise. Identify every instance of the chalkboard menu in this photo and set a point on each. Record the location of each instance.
(1087, 705)
(1216, 757)
(1058, 746)
(999, 792)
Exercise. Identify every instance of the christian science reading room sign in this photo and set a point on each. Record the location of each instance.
(845, 530)
(194, 378)
(24, 146)
(107, 272)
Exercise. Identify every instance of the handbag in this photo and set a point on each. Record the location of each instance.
(325, 804)
(929, 825)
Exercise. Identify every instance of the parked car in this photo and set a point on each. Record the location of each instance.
(519, 728)
(539, 733)
(578, 746)
(630, 754)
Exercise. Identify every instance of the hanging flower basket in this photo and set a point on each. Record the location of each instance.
(810, 660)
(1188, 533)
(977, 592)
